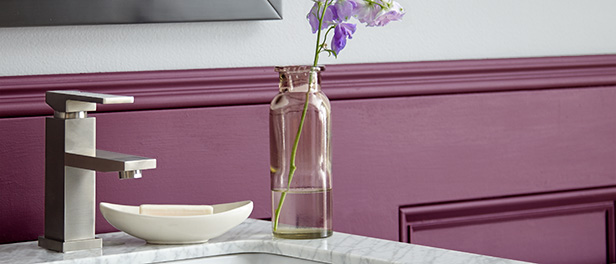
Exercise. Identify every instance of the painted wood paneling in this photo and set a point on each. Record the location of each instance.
(426, 149)
(404, 134)
(387, 152)
(570, 227)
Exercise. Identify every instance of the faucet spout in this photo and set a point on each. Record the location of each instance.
(136, 174)
(128, 166)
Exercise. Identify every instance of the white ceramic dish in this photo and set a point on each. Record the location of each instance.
(176, 229)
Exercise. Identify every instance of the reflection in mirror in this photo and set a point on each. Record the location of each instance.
(20, 13)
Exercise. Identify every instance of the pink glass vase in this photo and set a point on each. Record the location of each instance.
(300, 163)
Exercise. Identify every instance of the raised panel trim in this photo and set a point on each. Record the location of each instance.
(24, 95)
(513, 215)
(442, 215)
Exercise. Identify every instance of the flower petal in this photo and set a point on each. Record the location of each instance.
(377, 13)
(395, 12)
(345, 9)
(341, 33)
(312, 18)
(316, 12)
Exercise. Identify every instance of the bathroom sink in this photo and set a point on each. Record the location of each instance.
(246, 258)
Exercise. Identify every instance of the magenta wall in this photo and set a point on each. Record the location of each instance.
(405, 135)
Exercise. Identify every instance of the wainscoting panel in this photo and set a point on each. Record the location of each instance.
(404, 135)
(569, 227)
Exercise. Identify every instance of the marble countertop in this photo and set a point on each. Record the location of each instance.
(252, 236)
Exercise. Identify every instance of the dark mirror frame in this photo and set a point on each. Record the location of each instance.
(24, 13)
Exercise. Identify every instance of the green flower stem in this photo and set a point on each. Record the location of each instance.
(292, 167)
(301, 122)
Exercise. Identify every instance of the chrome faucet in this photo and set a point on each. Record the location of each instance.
(71, 162)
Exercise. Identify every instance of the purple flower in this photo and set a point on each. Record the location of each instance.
(366, 13)
(341, 33)
(379, 12)
(334, 15)
(316, 12)
(395, 12)
(345, 9)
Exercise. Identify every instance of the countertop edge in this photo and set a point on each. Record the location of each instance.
(252, 236)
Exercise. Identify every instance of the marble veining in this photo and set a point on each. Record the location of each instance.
(252, 236)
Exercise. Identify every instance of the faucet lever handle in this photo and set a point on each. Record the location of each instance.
(77, 101)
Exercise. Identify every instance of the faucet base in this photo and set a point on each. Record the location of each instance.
(66, 246)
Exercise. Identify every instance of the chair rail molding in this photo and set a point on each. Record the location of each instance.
(24, 95)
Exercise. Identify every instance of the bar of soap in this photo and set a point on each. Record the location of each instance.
(175, 210)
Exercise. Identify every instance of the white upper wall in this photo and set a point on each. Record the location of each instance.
(431, 30)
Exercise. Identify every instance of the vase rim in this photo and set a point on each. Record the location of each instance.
(299, 68)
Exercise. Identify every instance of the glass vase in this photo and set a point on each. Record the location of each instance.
(300, 155)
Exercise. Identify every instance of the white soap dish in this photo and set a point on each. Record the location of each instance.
(174, 229)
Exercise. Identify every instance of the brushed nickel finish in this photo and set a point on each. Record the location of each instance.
(71, 162)
(73, 115)
(106, 161)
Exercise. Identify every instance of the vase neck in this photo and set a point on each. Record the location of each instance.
(300, 78)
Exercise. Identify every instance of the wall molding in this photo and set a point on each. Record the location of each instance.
(24, 95)
(445, 215)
